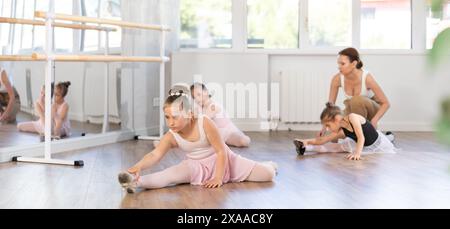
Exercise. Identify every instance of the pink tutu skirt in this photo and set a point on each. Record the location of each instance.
(237, 168)
(226, 128)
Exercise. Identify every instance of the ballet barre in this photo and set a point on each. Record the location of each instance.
(123, 24)
(16, 58)
(83, 58)
(98, 58)
(55, 24)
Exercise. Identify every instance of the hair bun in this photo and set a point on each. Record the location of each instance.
(360, 64)
(177, 93)
(66, 83)
(179, 90)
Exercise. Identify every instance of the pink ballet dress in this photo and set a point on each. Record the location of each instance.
(38, 126)
(201, 159)
(224, 124)
(65, 127)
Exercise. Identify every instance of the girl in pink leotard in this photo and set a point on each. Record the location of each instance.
(206, 106)
(60, 122)
(209, 162)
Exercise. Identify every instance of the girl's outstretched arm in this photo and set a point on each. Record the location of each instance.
(324, 139)
(214, 138)
(150, 159)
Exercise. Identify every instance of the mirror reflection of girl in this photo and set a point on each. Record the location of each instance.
(60, 108)
(60, 111)
(209, 162)
(229, 132)
(9, 99)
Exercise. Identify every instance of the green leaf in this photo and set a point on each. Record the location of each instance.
(443, 125)
(441, 48)
(446, 109)
(437, 8)
(443, 131)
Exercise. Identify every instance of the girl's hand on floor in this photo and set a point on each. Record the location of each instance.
(354, 156)
(213, 183)
(3, 117)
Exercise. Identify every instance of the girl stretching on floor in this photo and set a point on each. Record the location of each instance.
(229, 132)
(361, 136)
(209, 161)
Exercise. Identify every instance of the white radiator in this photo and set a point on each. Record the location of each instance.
(303, 96)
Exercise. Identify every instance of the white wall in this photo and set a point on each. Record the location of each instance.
(222, 69)
(413, 90)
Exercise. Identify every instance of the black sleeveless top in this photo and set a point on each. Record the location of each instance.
(369, 132)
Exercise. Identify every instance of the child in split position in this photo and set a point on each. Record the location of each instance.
(229, 132)
(209, 161)
(360, 136)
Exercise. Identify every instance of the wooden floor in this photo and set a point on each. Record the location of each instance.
(417, 177)
(10, 136)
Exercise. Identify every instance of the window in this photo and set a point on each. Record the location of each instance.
(90, 8)
(39, 31)
(5, 28)
(386, 24)
(273, 24)
(330, 23)
(110, 9)
(27, 33)
(437, 23)
(24, 38)
(308, 24)
(206, 24)
(63, 37)
(17, 27)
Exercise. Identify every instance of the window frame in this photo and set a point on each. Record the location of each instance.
(101, 35)
(239, 33)
(21, 28)
(78, 40)
(236, 21)
(239, 36)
